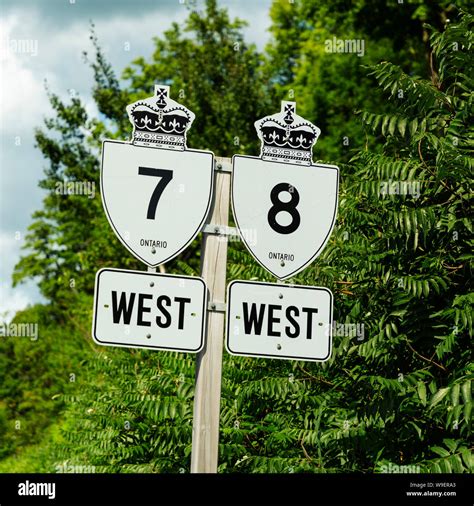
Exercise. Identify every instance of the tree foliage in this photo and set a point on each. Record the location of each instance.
(396, 394)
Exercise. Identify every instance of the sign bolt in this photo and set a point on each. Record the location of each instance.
(152, 284)
(153, 250)
(148, 336)
(219, 166)
(280, 296)
(217, 230)
(278, 346)
(282, 263)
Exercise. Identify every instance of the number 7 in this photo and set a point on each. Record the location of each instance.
(166, 177)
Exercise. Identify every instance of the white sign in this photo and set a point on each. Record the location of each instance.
(156, 192)
(282, 200)
(136, 309)
(279, 321)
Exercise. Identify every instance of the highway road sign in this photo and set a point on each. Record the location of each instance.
(156, 192)
(136, 309)
(279, 321)
(283, 201)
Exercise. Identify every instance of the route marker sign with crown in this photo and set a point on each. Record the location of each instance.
(282, 199)
(156, 192)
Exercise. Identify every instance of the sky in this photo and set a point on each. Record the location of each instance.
(44, 40)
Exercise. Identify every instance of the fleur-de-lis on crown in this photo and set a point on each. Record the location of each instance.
(274, 135)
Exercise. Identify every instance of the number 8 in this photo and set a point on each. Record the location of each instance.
(289, 207)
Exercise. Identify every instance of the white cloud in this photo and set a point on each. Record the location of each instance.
(20, 89)
(13, 299)
(257, 18)
(61, 38)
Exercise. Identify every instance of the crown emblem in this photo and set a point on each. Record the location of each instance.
(287, 137)
(159, 121)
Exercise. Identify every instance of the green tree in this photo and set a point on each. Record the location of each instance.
(328, 86)
(210, 69)
(399, 265)
(40, 362)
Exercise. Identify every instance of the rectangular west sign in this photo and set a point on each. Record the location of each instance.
(136, 309)
(279, 321)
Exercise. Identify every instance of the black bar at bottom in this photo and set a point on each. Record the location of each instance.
(236, 489)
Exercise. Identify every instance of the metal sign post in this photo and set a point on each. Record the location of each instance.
(207, 393)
